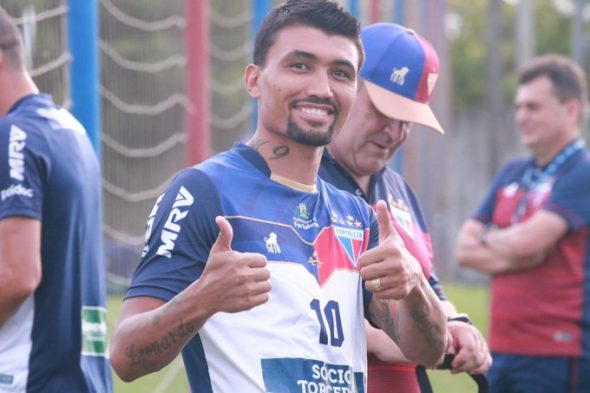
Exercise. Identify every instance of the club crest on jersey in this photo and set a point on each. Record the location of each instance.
(339, 247)
(348, 220)
(272, 243)
(351, 240)
(510, 190)
(302, 219)
(302, 211)
(401, 214)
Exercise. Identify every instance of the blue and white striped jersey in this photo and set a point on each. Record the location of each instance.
(309, 337)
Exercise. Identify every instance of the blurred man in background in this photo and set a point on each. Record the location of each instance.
(531, 233)
(398, 79)
(52, 281)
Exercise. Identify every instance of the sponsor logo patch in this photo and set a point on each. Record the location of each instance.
(16, 158)
(295, 375)
(6, 379)
(14, 190)
(302, 219)
(172, 228)
(561, 336)
(150, 225)
(272, 243)
(94, 331)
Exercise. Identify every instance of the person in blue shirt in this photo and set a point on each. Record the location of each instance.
(254, 268)
(530, 233)
(52, 279)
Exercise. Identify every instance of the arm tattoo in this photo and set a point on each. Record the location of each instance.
(421, 315)
(388, 325)
(140, 357)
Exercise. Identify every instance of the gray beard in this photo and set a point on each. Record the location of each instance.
(309, 138)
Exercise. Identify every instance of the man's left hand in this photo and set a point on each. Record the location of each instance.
(470, 348)
(389, 270)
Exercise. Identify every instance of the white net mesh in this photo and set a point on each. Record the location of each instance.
(43, 26)
(231, 50)
(143, 108)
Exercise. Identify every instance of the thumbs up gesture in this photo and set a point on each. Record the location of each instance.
(389, 270)
(232, 281)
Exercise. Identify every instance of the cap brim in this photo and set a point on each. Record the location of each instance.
(402, 108)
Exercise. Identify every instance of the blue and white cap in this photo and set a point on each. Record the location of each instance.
(400, 72)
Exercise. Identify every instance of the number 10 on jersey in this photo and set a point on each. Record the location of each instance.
(330, 315)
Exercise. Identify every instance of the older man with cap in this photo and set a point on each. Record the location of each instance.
(398, 78)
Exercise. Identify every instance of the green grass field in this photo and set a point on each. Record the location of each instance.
(170, 379)
(470, 299)
(474, 301)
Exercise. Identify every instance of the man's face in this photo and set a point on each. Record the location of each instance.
(307, 85)
(541, 117)
(369, 138)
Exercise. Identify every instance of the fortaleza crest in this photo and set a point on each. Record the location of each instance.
(350, 236)
(339, 246)
(302, 219)
(352, 242)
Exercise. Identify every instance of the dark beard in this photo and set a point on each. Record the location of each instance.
(310, 137)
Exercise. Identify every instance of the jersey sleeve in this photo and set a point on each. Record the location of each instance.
(570, 197)
(433, 280)
(373, 242)
(23, 170)
(436, 286)
(180, 231)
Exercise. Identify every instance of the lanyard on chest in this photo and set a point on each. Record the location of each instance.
(533, 177)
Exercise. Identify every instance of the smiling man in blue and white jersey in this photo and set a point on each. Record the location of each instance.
(256, 269)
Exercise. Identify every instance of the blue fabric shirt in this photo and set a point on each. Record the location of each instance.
(544, 310)
(405, 211)
(56, 342)
(313, 325)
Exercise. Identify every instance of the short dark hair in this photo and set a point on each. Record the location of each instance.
(567, 77)
(10, 41)
(324, 15)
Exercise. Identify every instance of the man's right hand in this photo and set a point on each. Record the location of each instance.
(233, 281)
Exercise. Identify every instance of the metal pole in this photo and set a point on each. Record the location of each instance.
(260, 8)
(398, 12)
(197, 81)
(84, 71)
(525, 38)
(354, 8)
(578, 32)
